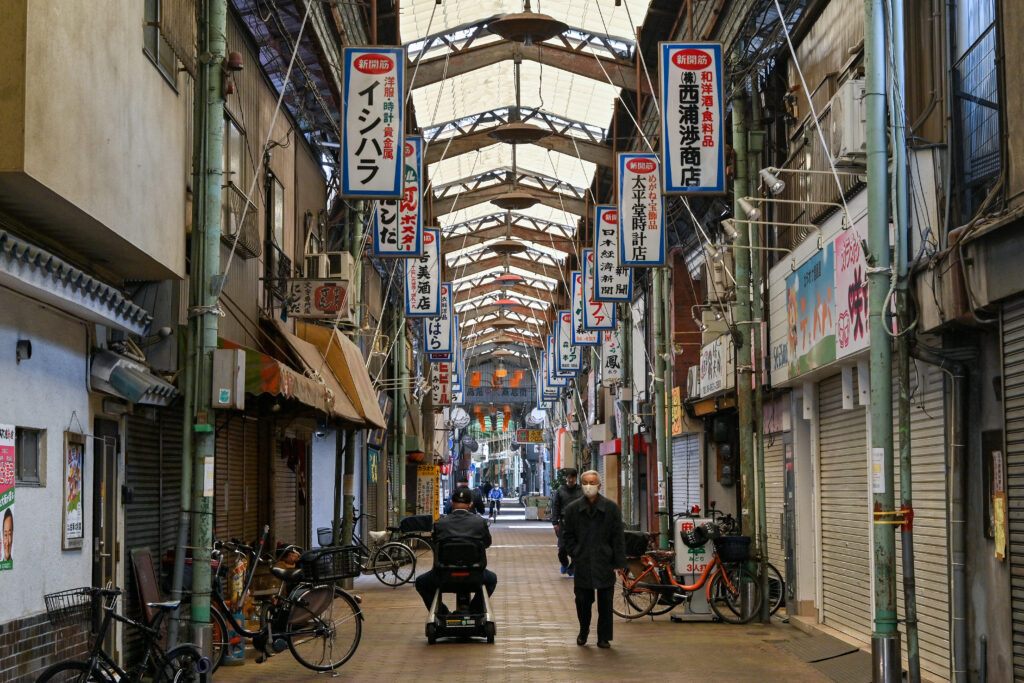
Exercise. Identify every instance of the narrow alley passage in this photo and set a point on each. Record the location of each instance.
(536, 634)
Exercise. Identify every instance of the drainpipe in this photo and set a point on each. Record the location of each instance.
(666, 354)
(355, 301)
(626, 330)
(957, 493)
(660, 424)
(885, 640)
(400, 420)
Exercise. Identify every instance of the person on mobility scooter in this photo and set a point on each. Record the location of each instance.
(460, 567)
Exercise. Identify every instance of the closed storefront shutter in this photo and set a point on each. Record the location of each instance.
(928, 461)
(685, 472)
(284, 502)
(845, 527)
(1013, 405)
(774, 499)
(236, 470)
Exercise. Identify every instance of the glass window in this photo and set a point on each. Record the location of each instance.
(155, 44)
(232, 153)
(27, 456)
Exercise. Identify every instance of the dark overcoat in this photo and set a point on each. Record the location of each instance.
(593, 537)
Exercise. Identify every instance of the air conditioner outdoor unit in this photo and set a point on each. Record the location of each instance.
(330, 265)
(848, 136)
(719, 283)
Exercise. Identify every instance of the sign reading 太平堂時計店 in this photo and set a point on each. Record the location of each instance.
(641, 211)
(398, 225)
(373, 122)
(7, 472)
(693, 147)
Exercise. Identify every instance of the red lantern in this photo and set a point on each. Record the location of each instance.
(446, 468)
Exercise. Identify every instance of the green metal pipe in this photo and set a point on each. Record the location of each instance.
(660, 424)
(355, 300)
(625, 330)
(666, 355)
(758, 415)
(400, 413)
(885, 638)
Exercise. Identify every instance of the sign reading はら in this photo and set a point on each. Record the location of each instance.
(438, 331)
(373, 126)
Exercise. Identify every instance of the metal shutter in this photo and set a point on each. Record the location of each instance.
(236, 477)
(928, 460)
(1013, 407)
(685, 472)
(285, 501)
(845, 505)
(774, 500)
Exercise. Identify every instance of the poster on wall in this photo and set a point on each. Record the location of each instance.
(691, 97)
(398, 225)
(372, 115)
(73, 503)
(811, 313)
(851, 294)
(612, 282)
(641, 211)
(423, 278)
(427, 478)
(7, 470)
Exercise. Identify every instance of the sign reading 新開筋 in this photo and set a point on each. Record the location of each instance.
(555, 378)
(423, 278)
(612, 282)
(7, 470)
(529, 436)
(372, 115)
(641, 211)
(851, 290)
(438, 331)
(441, 383)
(611, 357)
(581, 336)
(811, 313)
(568, 357)
(319, 299)
(398, 225)
(693, 147)
(597, 315)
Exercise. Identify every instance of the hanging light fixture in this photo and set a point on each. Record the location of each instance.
(527, 27)
(501, 371)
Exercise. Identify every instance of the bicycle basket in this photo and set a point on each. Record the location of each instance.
(69, 607)
(733, 548)
(636, 543)
(416, 523)
(695, 537)
(330, 564)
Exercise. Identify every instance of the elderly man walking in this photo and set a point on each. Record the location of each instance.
(593, 534)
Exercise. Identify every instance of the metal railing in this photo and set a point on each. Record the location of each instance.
(233, 206)
(976, 113)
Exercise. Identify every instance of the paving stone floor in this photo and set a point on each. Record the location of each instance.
(536, 635)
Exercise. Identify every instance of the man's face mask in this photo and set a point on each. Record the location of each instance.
(590, 490)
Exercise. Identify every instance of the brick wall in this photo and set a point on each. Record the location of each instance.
(29, 645)
(686, 293)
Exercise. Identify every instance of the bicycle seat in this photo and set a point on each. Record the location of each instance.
(661, 555)
(168, 605)
(287, 575)
(394, 529)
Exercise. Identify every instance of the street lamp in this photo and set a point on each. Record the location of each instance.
(774, 184)
(753, 213)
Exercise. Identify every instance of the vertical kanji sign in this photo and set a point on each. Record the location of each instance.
(612, 282)
(373, 122)
(555, 379)
(597, 315)
(423, 278)
(441, 383)
(581, 336)
(543, 402)
(641, 211)
(438, 331)
(568, 356)
(693, 147)
(611, 357)
(398, 225)
(7, 472)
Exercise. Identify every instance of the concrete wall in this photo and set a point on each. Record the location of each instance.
(1012, 26)
(42, 393)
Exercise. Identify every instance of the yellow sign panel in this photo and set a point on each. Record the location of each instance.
(427, 482)
(529, 436)
(677, 412)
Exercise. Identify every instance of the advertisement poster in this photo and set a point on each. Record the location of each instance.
(811, 313)
(427, 503)
(373, 126)
(423, 278)
(612, 282)
(597, 315)
(641, 211)
(74, 515)
(398, 225)
(7, 471)
(851, 290)
(692, 128)
(317, 299)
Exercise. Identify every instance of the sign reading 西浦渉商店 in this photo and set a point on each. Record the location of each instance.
(693, 138)
(438, 331)
(373, 126)
(7, 472)
(597, 315)
(398, 225)
(641, 211)
(581, 336)
(612, 282)
(423, 278)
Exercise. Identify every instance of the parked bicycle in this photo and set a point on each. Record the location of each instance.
(392, 562)
(310, 614)
(729, 526)
(183, 663)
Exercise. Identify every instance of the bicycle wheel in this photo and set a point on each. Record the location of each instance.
(71, 670)
(393, 564)
(421, 549)
(776, 590)
(182, 664)
(328, 640)
(631, 604)
(218, 638)
(726, 597)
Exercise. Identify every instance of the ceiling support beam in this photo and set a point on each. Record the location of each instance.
(483, 265)
(504, 337)
(516, 232)
(465, 200)
(599, 154)
(495, 288)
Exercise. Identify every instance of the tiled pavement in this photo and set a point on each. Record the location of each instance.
(536, 635)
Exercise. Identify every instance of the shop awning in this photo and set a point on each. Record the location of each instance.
(129, 379)
(349, 367)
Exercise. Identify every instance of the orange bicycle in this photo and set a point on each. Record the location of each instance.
(641, 588)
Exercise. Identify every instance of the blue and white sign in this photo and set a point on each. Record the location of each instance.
(423, 278)
(398, 225)
(439, 331)
(543, 402)
(692, 128)
(554, 379)
(568, 357)
(641, 211)
(597, 315)
(612, 282)
(580, 336)
(373, 122)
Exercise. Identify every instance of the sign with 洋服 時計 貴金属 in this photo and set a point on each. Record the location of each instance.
(373, 125)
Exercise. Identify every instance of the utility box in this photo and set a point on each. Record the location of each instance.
(228, 379)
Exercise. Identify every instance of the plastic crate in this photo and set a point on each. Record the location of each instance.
(330, 564)
(733, 548)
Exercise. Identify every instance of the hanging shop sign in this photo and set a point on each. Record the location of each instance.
(398, 225)
(545, 395)
(580, 335)
(641, 211)
(554, 379)
(716, 366)
(73, 501)
(529, 436)
(676, 412)
(548, 391)
(612, 282)
(317, 299)
(428, 490)
(568, 359)
(7, 470)
(373, 117)
(376, 438)
(438, 331)
(611, 357)
(811, 312)
(597, 315)
(441, 383)
(423, 278)
(692, 130)
(851, 291)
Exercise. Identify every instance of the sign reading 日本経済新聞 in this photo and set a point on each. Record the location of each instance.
(612, 282)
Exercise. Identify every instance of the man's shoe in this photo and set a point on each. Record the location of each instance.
(571, 571)
(564, 569)
(581, 639)
(603, 644)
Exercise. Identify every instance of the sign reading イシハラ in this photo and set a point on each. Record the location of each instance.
(398, 225)
(612, 282)
(641, 211)
(693, 147)
(423, 278)
(373, 129)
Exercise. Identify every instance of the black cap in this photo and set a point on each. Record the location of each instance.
(462, 495)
